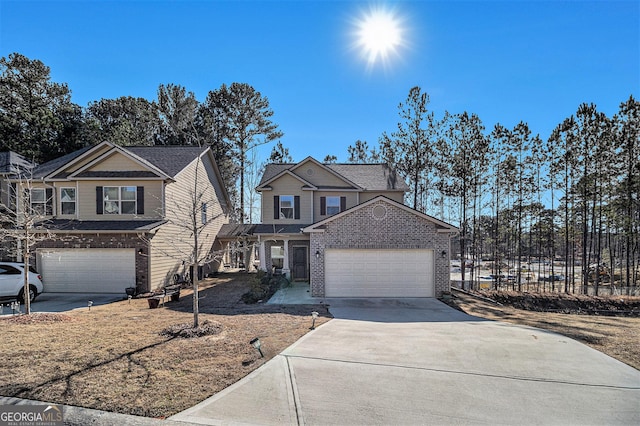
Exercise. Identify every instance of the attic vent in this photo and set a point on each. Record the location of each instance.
(379, 212)
(310, 172)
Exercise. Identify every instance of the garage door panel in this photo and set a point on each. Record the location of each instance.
(379, 273)
(88, 270)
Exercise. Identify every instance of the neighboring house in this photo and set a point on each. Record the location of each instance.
(344, 228)
(11, 165)
(112, 210)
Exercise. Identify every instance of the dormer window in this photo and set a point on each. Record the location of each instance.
(286, 207)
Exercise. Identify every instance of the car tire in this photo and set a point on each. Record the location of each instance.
(33, 293)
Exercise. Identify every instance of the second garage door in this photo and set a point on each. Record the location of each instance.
(379, 273)
(88, 270)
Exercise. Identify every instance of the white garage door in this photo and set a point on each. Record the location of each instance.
(379, 273)
(87, 270)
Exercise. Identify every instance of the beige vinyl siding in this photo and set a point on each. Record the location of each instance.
(287, 185)
(394, 195)
(172, 244)
(352, 200)
(318, 176)
(86, 199)
(117, 162)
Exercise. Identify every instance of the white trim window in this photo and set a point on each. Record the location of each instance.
(119, 199)
(286, 206)
(277, 256)
(333, 205)
(68, 201)
(40, 201)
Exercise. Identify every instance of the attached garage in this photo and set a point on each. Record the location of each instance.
(87, 270)
(379, 273)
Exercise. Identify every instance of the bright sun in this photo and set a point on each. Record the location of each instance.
(379, 34)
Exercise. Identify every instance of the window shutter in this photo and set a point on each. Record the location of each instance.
(296, 207)
(276, 207)
(99, 200)
(48, 206)
(140, 199)
(343, 203)
(323, 206)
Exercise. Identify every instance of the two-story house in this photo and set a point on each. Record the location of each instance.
(114, 215)
(344, 228)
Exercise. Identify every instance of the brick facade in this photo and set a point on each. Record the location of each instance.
(105, 241)
(380, 225)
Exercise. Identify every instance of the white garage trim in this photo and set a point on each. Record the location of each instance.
(379, 273)
(87, 270)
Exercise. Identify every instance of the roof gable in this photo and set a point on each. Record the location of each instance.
(364, 177)
(443, 226)
(285, 172)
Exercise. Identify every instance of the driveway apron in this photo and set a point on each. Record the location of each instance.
(418, 361)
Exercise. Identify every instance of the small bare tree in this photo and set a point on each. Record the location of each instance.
(24, 211)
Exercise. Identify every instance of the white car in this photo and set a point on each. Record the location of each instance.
(12, 282)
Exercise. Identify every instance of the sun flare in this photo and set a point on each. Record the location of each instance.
(379, 35)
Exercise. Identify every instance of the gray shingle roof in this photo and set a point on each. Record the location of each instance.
(50, 166)
(235, 230)
(169, 159)
(371, 177)
(103, 225)
(12, 163)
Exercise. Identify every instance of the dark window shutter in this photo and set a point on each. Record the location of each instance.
(323, 206)
(296, 207)
(99, 200)
(48, 209)
(276, 207)
(343, 203)
(140, 199)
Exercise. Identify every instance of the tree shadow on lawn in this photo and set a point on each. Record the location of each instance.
(222, 295)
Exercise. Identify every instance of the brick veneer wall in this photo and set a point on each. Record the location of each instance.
(89, 241)
(395, 229)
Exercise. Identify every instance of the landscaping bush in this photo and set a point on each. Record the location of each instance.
(263, 286)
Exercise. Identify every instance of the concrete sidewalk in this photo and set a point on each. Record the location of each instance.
(417, 361)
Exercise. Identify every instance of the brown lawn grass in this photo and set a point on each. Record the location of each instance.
(615, 336)
(114, 358)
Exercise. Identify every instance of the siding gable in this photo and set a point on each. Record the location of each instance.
(320, 176)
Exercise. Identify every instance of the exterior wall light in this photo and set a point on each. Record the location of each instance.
(444, 254)
(257, 344)
(317, 254)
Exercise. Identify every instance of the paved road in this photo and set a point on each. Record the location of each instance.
(62, 302)
(417, 361)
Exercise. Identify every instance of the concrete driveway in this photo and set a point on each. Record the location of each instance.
(62, 302)
(417, 361)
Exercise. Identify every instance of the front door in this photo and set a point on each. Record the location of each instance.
(300, 264)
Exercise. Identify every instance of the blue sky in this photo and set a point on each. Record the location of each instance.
(532, 61)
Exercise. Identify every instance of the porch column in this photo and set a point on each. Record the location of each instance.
(263, 260)
(285, 262)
